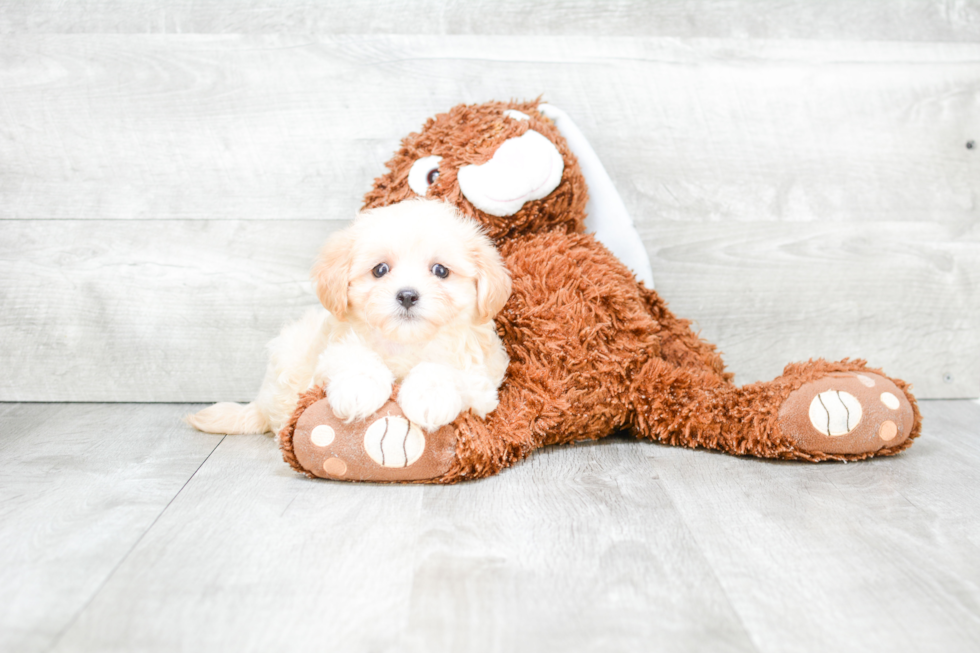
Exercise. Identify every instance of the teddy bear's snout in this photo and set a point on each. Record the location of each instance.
(523, 169)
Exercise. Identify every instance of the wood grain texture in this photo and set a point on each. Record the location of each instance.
(901, 20)
(579, 550)
(289, 127)
(148, 310)
(182, 310)
(905, 296)
(79, 486)
(618, 545)
(161, 197)
(872, 556)
(253, 557)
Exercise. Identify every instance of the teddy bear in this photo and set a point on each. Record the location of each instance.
(593, 350)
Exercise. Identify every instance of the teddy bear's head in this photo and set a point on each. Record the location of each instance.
(502, 163)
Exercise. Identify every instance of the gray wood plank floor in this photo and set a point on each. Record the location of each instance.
(124, 530)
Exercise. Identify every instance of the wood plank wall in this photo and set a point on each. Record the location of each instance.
(800, 171)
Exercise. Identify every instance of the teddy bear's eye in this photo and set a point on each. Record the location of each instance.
(423, 174)
(440, 270)
(380, 270)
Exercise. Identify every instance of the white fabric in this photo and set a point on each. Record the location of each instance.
(835, 412)
(523, 169)
(418, 175)
(607, 216)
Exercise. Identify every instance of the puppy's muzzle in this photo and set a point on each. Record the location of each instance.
(407, 297)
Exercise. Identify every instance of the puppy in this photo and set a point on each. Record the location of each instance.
(410, 291)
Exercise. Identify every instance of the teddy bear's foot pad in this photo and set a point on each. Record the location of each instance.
(383, 448)
(847, 413)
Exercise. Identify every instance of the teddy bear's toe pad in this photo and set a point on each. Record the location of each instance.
(383, 447)
(847, 413)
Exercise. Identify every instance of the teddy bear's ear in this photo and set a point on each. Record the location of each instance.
(331, 272)
(606, 214)
(492, 280)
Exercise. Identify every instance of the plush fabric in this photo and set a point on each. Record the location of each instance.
(593, 351)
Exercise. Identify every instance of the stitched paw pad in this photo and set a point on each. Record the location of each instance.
(384, 447)
(847, 413)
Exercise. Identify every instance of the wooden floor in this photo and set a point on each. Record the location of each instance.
(121, 529)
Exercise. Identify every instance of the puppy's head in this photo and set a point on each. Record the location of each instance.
(411, 268)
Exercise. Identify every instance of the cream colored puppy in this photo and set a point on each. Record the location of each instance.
(410, 291)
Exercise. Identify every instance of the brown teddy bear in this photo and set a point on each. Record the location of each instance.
(592, 350)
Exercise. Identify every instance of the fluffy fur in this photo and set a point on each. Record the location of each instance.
(410, 292)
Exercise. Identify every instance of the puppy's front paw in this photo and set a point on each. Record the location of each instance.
(429, 396)
(355, 396)
(483, 400)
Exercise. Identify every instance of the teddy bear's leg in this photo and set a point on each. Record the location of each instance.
(679, 344)
(387, 447)
(384, 447)
(814, 411)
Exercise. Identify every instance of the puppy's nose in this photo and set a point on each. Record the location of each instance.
(407, 297)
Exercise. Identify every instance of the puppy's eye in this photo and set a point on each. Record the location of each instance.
(423, 174)
(440, 271)
(380, 270)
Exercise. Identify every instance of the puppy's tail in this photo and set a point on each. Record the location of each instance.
(230, 418)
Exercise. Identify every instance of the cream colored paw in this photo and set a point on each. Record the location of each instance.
(429, 396)
(355, 396)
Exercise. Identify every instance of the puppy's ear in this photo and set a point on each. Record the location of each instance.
(492, 280)
(331, 272)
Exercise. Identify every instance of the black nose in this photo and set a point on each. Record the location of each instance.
(407, 297)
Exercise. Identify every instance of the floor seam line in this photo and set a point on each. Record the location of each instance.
(129, 552)
(704, 556)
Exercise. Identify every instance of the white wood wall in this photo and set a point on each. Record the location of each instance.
(799, 171)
